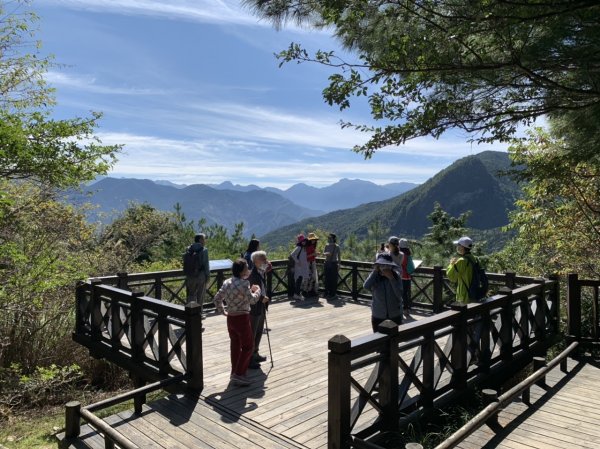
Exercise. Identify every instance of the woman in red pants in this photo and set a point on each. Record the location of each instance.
(238, 295)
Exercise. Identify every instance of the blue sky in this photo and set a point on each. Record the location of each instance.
(193, 91)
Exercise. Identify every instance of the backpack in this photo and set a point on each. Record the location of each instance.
(479, 283)
(191, 262)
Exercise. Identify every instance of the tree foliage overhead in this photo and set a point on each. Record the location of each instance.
(427, 66)
(33, 146)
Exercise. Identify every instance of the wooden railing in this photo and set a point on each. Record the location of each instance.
(376, 380)
(138, 320)
(74, 413)
(150, 338)
(582, 309)
(430, 288)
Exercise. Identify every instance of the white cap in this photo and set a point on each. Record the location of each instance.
(403, 243)
(465, 242)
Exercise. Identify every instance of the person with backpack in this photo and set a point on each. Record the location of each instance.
(466, 272)
(408, 267)
(196, 269)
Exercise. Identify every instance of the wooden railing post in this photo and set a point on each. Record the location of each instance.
(574, 306)
(163, 344)
(484, 340)
(554, 297)
(72, 419)
(511, 281)
(115, 324)
(139, 399)
(438, 288)
(95, 310)
(388, 387)
(427, 353)
(122, 281)
(540, 311)
(338, 425)
(269, 286)
(193, 353)
(506, 329)
(355, 282)
(137, 327)
(459, 347)
(158, 287)
(524, 322)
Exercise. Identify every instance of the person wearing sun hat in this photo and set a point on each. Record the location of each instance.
(385, 284)
(460, 270)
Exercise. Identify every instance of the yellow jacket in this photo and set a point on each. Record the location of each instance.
(461, 273)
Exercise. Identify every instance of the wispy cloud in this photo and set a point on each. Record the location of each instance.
(205, 11)
(89, 84)
(243, 161)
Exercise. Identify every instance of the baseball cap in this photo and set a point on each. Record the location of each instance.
(465, 242)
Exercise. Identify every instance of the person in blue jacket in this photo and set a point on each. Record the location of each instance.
(385, 284)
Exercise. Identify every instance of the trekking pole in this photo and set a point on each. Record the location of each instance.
(268, 337)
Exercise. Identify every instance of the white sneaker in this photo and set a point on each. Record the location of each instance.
(298, 297)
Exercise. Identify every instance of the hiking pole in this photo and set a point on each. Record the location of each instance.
(268, 337)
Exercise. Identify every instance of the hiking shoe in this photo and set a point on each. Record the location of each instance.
(254, 365)
(240, 381)
(259, 358)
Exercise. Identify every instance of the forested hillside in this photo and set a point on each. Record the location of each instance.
(473, 183)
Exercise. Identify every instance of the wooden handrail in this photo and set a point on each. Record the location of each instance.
(493, 408)
(109, 433)
(136, 392)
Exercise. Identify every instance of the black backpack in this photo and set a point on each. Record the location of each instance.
(479, 283)
(191, 261)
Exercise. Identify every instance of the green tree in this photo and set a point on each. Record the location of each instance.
(437, 246)
(33, 146)
(558, 218)
(427, 66)
(45, 246)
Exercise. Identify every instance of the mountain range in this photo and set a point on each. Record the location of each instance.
(261, 209)
(344, 194)
(474, 183)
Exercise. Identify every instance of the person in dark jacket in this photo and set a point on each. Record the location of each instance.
(195, 285)
(258, 310)
(253, 245)
(385, 284)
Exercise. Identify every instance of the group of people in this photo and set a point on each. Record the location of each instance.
(303, 263)
(246, 300)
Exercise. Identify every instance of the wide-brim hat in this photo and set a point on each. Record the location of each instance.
(312, 236)
(385, 259)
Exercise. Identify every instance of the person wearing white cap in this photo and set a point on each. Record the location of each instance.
(460, 270)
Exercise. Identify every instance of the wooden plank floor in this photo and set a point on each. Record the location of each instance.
(286, 405)
(562, 417)
(291, 397)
